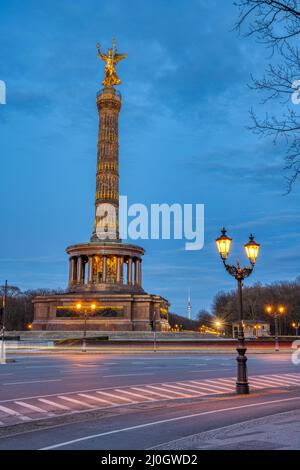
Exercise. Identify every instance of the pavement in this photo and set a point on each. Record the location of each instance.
(278, 432)
(95, 401)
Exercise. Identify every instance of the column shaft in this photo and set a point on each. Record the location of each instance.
(104, 268)
(90, 269)
(79, 270)
(118, 269)
(129, 271)
(71, 271)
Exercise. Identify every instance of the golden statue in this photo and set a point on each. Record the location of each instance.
(111, 59)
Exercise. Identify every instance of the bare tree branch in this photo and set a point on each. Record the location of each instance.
(277, 25)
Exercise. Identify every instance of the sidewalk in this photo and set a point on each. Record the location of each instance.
(276, 432)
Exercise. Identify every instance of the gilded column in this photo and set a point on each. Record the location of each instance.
(104, 268)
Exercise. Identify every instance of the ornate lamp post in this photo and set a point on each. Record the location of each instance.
(276, 312)
(252, 249)
(296, 326)
(85, 312)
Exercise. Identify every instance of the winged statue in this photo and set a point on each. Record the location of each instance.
(111, 59)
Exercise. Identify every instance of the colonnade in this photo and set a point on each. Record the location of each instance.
(79, 275)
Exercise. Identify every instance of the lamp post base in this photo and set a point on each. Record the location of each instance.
(242, 385)
(242, 388)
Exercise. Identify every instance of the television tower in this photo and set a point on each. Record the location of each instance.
(189, 306)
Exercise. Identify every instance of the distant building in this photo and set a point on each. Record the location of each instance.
(252, 328)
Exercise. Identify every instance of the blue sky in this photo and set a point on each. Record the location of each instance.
(183, 138)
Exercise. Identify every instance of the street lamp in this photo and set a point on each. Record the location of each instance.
(252, 250)
(85, 312)
(218, 325)
(296, 326)
(276, 312)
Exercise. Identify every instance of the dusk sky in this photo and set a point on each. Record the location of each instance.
(183, 139)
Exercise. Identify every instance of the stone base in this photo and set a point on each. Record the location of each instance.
(113, 312)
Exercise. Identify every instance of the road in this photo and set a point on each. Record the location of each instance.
(98, 401)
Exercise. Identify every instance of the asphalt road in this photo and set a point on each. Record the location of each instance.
(160, 398)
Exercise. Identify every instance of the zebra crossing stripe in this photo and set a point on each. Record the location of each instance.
(172, 391)
(116, 397)
(184, 388)
(195, 388)
(53, 403)
(211, 382)
(285, 381)
(263, 382)
(100, 400)
(135, 395)
(10, 412)
(207, 387)
(289, 379)
(77, 402)
(295, 376)
(31, 407)
(153, 393)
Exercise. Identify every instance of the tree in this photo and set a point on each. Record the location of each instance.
(204, 318)
(255, 300)
(183, 322)
(276, 24)
(19, 306)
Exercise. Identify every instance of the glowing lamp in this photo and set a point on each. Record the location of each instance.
(252, 249)
(78, 306)
(93, 306)
(223, 244)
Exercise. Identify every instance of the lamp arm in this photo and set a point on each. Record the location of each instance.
(237, 271)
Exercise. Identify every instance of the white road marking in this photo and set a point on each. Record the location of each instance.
(184, 388)
(208, 388)
(53, 403)
(152, 392)
(14, 413)
(128, 375)
(168, 420)
(99, 400)
(77, 402)
(33, 382)
(211, 382)
(116, 397)
(168, 390)
(134, 394)
(284, 381)
(295, 376)
(264, 382)
(209, 370)
(30, 407)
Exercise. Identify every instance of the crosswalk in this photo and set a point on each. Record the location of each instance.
(32, 408)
